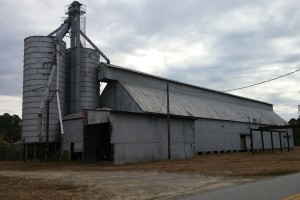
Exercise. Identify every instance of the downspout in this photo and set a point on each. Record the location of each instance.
(57, 87)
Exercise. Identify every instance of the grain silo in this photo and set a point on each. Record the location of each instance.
(39, 55)
(89, 86)
(57, 82)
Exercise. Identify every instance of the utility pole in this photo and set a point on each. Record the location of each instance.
(168, 121)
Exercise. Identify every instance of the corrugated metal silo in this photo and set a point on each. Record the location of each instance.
(89, 86)
(89, 79)
(38, 62)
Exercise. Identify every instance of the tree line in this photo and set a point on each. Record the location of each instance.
(10, 128)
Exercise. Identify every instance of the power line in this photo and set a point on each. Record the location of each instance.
(263, 81)
(255, 84)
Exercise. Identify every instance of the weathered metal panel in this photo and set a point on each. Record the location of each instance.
(146, 140)
(73, 134)
(152, 100)
(97, 117)
(117, 98)
(212, 135)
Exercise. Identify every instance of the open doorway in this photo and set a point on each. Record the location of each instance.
(97, 145)
(243, 142)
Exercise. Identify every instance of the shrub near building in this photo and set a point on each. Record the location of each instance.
(10, 134)
(296, 131)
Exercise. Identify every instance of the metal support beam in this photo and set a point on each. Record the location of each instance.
(288, 141)
(26, 152)
(91, 43)
(271, 133)
(55, 31)
(262, 141)
(62, 30)
(280, 141)
(251, 137)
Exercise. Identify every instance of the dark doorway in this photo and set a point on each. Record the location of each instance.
(97, 145)
(72, 151)
(243, 143)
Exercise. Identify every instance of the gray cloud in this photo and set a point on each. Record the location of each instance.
(216, 44)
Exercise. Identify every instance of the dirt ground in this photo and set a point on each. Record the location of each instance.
(158, 180)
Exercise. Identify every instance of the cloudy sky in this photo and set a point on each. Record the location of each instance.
(216, 44)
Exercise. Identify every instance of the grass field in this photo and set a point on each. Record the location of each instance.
(78, 180)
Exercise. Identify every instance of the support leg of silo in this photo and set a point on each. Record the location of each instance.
(34, 152)
(271, 133)
(25, 152)
(288, 141)
(262, 141)
(280, 141)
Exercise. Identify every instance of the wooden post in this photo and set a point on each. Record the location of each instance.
(262, 141)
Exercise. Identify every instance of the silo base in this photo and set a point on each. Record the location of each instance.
(40, 151)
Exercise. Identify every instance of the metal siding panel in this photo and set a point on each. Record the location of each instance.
(97, 117)
(211, 135)
(147, 141)
(73, 130)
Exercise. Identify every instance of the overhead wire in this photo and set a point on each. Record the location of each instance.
(262, 82)
(255, 84)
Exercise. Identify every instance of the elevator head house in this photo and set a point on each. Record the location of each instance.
(137, 117)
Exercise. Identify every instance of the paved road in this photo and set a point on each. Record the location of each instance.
(284, 187)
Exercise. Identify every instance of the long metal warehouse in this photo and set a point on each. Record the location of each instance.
(132, 120)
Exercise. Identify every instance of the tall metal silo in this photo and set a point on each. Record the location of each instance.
(89, 79)
(39, 53)
(89, 86)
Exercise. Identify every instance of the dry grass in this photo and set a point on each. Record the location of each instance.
(230, 164)
(21, 188)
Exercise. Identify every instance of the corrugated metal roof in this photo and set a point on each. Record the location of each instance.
(152, 100)
(106, 73)
(77, 115)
